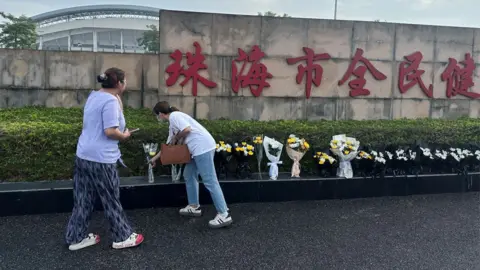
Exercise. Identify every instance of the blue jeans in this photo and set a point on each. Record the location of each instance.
(203, 165)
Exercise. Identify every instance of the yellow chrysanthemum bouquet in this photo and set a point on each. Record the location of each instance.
(243, 153)
(326, 163)
(346, 149)
(296, 149)
(223, 155)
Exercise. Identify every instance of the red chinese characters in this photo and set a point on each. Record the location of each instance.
(195, 64)
(312, 71)
(257, 75)
(409, 70)
(357, 85)
(459, 79)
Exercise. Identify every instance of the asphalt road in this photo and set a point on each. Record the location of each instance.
(420, 232)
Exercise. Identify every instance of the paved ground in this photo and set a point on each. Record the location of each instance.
(421, 232)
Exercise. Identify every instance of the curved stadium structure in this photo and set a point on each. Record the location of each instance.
(98, 28)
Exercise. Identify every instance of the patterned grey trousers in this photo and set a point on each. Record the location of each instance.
(91, 179)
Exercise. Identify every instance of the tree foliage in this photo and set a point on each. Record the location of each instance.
(17, 32)
(273, 14)
(150, 40)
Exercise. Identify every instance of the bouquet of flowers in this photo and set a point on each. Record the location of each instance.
(273, 150)
(223, 154)
(326, 163)
(258, 142)
(346, 149)
(364, 163)
(296, 149)
(243, 152)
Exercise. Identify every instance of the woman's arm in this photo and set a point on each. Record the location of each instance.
(115, 134)
(182, 134)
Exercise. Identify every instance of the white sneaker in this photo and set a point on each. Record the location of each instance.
(132, 241)
(221, 220)
(90, 240)
(191, 211)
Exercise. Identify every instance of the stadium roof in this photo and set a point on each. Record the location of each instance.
(92, 9)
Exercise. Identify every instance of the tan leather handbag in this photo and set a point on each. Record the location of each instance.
(174, 154)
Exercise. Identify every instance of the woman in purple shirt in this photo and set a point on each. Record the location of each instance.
(96, 166)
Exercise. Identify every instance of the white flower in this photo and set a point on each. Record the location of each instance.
(412, 154)
(390, 155)
(443, 154)
(374, 153)
(455, 156)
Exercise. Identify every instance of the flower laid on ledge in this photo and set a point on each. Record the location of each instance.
(346, 149)
(273, 150)
(258, 142)
(296, 149)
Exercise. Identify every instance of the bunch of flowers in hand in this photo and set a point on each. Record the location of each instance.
(258, 145)
(273, 151)
(223, 155)
(346, 149)
(326, 164)
(243, 152)
(296, 149)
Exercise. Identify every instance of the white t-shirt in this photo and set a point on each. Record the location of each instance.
(199, 141)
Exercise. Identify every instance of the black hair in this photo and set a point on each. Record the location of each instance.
(111, 77)
(164, 107)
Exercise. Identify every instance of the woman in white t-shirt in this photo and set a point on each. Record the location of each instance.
(202, 147)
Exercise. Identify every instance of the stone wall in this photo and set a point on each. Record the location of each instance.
(64, 78)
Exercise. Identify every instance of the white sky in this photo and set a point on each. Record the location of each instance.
(436, 12)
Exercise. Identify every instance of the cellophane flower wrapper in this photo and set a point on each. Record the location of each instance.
(296, 156)
(274, 160)
(258, 144)
(338, 144)
(177, 172)
(296, 149)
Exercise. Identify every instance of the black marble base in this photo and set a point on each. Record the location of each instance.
(56, 196)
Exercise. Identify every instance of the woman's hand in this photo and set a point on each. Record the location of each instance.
(154, 159)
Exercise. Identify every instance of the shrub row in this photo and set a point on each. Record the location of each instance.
(39, 143)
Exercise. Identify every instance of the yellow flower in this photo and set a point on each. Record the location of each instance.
(306, 145)
(258, 138)
(217, 146)
(260, 141)
(249, 147)
(346, 152)
(319, 153)
(334, 146)
(250, 153)
(322, 161)
(244, 143)
(221, 142)
(255, 141)
(229, 149)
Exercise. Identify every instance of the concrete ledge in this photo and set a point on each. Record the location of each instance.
(56, 196)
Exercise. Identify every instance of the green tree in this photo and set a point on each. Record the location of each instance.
(17, 32)
(150, 40)
(273, 14)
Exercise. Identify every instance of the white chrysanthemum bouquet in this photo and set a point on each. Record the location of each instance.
(273, 151)
(346, 149)
(296, 149)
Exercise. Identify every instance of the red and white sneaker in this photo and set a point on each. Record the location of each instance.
(90, 240)
(132, 241)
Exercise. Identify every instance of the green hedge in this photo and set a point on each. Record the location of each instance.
(39, 143)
